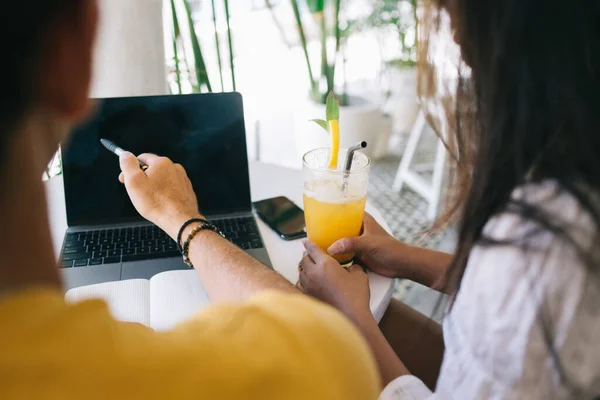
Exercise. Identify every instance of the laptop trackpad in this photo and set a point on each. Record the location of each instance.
(82, 276)
(147, 269)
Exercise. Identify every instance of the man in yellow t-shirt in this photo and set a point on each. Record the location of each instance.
(274, 346)
(261, 340)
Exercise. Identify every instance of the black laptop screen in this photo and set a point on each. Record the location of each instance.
(204, 133)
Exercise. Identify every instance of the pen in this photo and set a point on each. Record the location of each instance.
(113, 148)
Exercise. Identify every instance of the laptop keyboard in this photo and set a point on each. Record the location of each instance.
(111, 246)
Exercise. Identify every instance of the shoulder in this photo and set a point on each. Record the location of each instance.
(520, 249)
(274, 346)
(528, 294)
(296, 346)
(543, 262)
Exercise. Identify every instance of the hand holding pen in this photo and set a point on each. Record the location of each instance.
(163, 194)
(113, 148)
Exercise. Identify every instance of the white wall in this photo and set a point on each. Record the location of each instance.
(130, 54)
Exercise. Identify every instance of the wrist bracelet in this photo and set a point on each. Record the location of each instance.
(185, 225)
(192, 235)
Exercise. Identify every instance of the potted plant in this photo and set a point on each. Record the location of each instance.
(188, 71)
(360, 119)
(396, 22)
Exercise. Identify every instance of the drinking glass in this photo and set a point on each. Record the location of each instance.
(334, 199)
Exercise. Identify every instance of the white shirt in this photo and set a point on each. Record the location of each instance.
(494, 333)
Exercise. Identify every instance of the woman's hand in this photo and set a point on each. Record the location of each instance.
(383, 254)
(375, 249)
(321, 276)
(162, 194)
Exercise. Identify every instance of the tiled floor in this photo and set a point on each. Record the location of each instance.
(405, 213)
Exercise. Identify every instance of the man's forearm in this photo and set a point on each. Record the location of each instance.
(228, 273)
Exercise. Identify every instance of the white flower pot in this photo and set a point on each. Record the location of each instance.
(382, 144)
(359, 121)
(402, 105)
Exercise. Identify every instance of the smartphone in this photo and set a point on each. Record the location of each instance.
(283, 216)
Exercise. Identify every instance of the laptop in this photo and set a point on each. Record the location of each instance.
(107, 240)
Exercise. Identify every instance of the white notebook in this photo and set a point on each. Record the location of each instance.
(161, 303)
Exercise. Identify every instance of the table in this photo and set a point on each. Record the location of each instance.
(266, 180)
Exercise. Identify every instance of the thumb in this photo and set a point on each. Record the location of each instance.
(130, 166)
(356, 268)
(347, 245)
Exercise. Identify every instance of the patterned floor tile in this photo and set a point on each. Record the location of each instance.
(406, 211)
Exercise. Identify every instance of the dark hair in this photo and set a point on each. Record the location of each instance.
(22, 31)
(536, 78)
(528, 111)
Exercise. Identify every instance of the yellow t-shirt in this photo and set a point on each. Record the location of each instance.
(275, 346)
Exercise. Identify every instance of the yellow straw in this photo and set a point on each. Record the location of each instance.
(335, 144)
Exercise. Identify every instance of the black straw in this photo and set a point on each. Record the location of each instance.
(349, 159)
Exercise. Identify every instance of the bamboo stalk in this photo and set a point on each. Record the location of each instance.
(313, 86)
(176, 34)
(184, 62)
(230, 44)
(278, 24)
(416, 19)
(214, 15)
(338, 34)
(325, 73)
(200, 66)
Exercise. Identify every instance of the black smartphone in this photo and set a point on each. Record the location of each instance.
(283, 216)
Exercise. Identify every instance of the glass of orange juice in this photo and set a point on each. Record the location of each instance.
(334, 199)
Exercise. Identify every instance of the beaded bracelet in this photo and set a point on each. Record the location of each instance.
(185, 225)
(193, 233)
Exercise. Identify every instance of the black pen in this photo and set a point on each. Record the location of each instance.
(113, 148)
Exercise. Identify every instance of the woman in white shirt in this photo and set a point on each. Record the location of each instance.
(524, 283)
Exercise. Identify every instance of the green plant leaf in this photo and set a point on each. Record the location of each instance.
(332, 107)
(316, 6)
(303, 42)
(217, 44)
(230, 43)
(200, 66)
(322, 123)
(338, 40)
(176, 34)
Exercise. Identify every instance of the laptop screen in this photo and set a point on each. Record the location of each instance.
(203, 132)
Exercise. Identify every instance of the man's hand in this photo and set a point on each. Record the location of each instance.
(321, 276)
(162, 194)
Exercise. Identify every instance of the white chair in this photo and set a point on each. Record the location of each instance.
(430, 191)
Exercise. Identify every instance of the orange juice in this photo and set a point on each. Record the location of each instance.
(334, 198)
(327, 222)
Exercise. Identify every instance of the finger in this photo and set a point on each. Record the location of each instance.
(315, 252)
(149, 159)
(306, 264)
(344, 246)
(368, 218)
(370, 225)
(367, 222)
(306, 268)
(302, 281)
(356, 269)
(121, 178)
(181, 171)
(130, 167)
